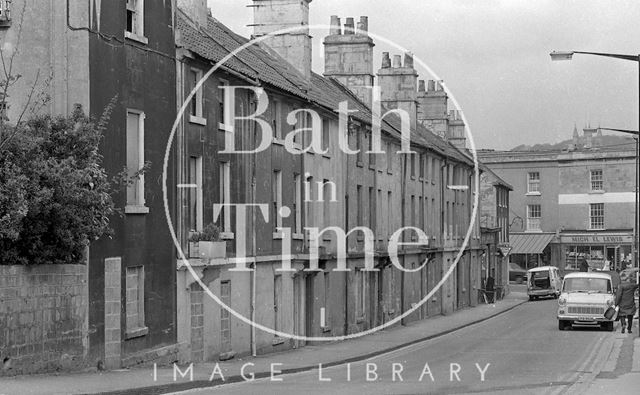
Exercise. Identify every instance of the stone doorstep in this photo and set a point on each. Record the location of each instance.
(162, 356)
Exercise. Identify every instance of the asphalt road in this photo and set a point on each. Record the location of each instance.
(521, 351)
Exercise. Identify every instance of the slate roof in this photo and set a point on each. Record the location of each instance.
(260, 63)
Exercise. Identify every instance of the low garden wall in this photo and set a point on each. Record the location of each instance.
(43, 318)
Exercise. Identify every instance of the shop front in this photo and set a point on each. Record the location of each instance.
(601, 250)
(530, 250)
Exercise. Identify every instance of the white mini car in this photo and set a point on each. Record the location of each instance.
(584, 299)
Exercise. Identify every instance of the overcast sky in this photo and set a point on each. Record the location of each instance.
(494, 57)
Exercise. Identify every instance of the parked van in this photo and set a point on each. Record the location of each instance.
(584, 299)
(543, 281)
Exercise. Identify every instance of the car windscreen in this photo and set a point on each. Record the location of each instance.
(586, 284)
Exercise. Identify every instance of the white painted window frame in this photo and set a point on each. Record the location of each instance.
(593, 217)
(601, 180)
(139, 206)
(138, 26)
(198, 118)
(225, 198)
(531, 219)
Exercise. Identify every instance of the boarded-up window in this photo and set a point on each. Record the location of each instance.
(135, 157)
(134, 292)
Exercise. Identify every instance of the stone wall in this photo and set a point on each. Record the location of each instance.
(43, 318)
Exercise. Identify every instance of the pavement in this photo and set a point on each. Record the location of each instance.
(621, 372)
(159, 380)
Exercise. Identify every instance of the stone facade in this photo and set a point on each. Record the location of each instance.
(584, 194)
(383, 192)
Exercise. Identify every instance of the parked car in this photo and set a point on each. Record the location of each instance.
(584, 299)
(543, 281)
(517, 273)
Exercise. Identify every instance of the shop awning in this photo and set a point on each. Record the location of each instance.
(529, 243)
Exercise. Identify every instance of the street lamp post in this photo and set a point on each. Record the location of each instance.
(567, 55)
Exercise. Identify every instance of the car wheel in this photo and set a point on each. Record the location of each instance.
(530, 298)
(562, 324)
(608, 326)
(518, 280)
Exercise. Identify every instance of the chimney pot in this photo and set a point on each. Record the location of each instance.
(397, 61)
(421, 86)
(365, 23)
(386, 61)
(349, 27)
(336, 28)
(408, 60)
(439, 86)
(361, 29)
(431, 86)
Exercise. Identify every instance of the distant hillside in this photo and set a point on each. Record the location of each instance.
(607, 141)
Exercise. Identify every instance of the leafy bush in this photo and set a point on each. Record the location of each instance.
(210, 233)
(54, 195)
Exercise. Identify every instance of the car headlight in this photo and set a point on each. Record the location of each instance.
(562, 301)
(609, 302)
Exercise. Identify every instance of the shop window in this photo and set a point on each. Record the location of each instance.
(597, 180)
(533, 182)
(596, 216)
(534, 214)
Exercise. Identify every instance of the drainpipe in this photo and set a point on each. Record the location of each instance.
(443, 183)
(346, 225)
(253, 273)
(403, 195)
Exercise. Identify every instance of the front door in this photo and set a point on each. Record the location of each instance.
(299, 324)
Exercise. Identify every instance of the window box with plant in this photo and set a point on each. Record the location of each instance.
(207, 244)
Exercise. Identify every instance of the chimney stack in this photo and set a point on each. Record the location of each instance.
(348, 56)
(456, 130)
(196, 10)
(295, 47)
(432, 109)
(399, 86)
